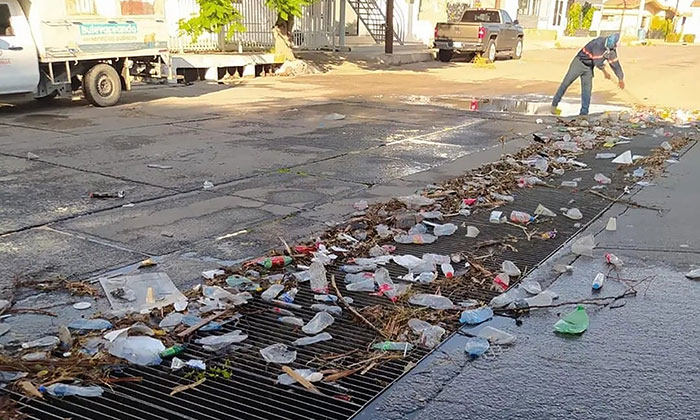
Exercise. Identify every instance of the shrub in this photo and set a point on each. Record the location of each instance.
(689, 38)
(673, 37)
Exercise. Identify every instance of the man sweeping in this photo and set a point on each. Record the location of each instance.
(594, 54)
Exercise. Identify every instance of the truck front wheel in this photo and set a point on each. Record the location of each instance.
(445, 55)
(491, 51)
(102, 85)
(518, 50)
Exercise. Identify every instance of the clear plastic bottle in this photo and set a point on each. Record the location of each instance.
(393, 345)
(614, 260)
(331, 309)
(319, 282)
(361, 286)
(305, 341)
(444, 230)
(289, 295)
(476, 316)
(64, 390)
(291, 320)
(431, 301)
(502, 197)
(598, 281)
(520, 217)
(357, 277)
(272, 292)
(48, 342)
(447, 270)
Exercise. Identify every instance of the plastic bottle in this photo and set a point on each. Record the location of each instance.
(361, 286)
(48, 342)
(357, 277)
(318, 323)
(139, 350)
(291, 320)
(562, 268)
(476, 316)
(305, 341)
(436, 259)
(420, 239)
(598, 281)
(602, 179)
(496, 336)
(444, 230)
(542, 299)
(282, 312)
(448, 270)
(693, 274)
(393, 345)
(431, 301)
(319, 282)
(173, 351)
(331, 309)
(502, 197)
(575, 322)
(426, 277)
(476, 346)
(274, 262)
(418, 325)
(614, 260)
(431, 336)
(272, 292)
(64, 390)
(66, 339)
(520, 217)
(289, 295)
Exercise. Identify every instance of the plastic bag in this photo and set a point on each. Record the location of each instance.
(319, 282)
(318, 323)
(496, 336)
(218, 342)
(476, 346)
(139, 350)
(278, 353)
(431, 301)
(305, 341)
(476, 316)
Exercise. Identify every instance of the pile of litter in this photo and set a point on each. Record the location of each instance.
(152, 322)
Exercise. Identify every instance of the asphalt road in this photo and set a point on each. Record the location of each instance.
(283, 172)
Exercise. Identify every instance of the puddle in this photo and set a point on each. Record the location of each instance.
(531, 105)
(54, 121)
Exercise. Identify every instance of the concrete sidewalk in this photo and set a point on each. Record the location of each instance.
(638, 358)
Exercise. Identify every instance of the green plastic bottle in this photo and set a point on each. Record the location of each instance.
(172, 351)
(575, 322)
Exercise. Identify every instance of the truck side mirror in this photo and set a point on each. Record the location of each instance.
(516, 22)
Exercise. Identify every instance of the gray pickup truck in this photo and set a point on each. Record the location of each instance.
(484, 31)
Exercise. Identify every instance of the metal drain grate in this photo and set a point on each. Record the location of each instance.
(251, 393)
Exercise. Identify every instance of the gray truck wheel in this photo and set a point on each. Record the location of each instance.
(445, 55)
(102, 85)
(518, 50)
(491, 51)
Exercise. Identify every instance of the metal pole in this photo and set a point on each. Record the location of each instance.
(642, 3)
(341, 24)
(389, 34)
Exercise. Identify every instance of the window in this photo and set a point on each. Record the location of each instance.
(137, 7)
(506, 17)
(5, 21)
(81, 7)
(480, 16)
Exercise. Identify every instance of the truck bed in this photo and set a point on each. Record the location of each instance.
(458, 31)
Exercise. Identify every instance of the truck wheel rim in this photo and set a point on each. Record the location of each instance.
(519, 49)
(104, 86)
(492, 53)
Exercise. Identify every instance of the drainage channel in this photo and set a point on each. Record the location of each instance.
(248, 389)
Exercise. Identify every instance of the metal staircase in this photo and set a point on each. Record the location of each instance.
(372, 15)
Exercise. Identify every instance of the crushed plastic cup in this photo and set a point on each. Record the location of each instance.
(598, 281)
(383, 231)
(501, 281)
(472, 232)
(544, 211)
(584, 246)
(476, 346)
(575, 322)
(218, 342)
(503, 197)
(278, 353)
(693, 274)
(666, 146)
(624, 158)
(495, 216)
(272, 292)
(431, 301)
(308, 374)
(532, 287)
(361, 286)
(510, 268)
(431, 336)
(541, 299)
(602, 179)
(291, 320)
(444, 230)
(612, 225)
(319, 281)
(563, 268)
(476, 316)
(306, 341)
(420, 239)
(139, 350)
(496, 336)
(418, 325)
(574, 214)
(318, 323)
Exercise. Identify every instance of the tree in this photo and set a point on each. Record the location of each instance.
(282, 31)
(214, 16)
(573, 21)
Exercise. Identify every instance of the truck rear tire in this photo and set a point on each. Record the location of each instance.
(102, 86)
(445, 55)
(491, 51)
(518, 50)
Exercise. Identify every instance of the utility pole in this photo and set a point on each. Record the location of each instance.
(642, 3)
(389, 34)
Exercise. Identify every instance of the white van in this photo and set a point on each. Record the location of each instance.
(52, 48)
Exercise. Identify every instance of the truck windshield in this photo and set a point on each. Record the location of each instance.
(480, 16)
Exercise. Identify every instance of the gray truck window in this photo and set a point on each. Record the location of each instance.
(481, 16)
(506, 17)
(5, 25)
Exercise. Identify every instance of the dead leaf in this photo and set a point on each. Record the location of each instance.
(29, 389)
(186, 387)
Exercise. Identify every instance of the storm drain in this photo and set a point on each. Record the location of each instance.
(246, 386)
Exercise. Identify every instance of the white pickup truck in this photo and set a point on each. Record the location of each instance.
(52, 48)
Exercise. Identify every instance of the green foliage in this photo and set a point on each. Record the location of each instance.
(213, 17)
(689, 38)
(287, 8)
(587, 16)
(673, 37)
(659, 27)
(573, 17)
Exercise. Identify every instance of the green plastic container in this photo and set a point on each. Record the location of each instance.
(575, 322)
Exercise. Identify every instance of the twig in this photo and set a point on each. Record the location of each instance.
(371, 359)
(368, 368)
(186, 387)
(486, 244)
(353, 310)
(527, 234)
(340, 375)
(286, 246)
(305, 383)
(31, 311)
(200, 324)
(625, 201)
(125, 379)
